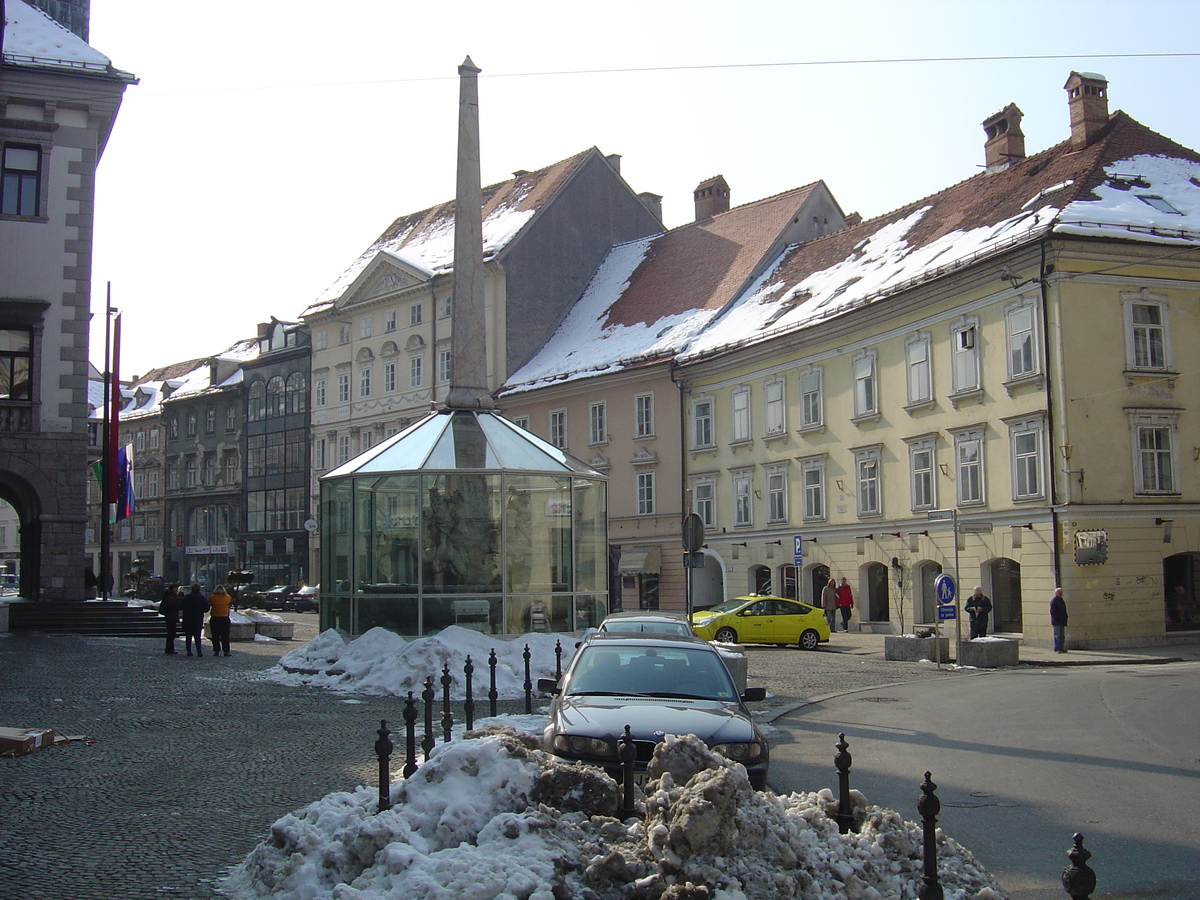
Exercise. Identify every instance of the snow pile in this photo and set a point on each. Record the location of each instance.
(382, 662)
(491, 816)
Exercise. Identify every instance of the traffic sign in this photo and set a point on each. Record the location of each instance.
(798, 550)
(693, 532)
(947, 612)
(944, 585)
(936, 515)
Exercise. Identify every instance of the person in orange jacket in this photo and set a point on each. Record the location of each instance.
(218, 621)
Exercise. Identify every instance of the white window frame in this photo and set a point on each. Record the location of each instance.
(643, 405)
(702, 423)
(865, 385)
(320, 340)
(965, 358)
(739, 419)
(154, 434)
(868, 478)
(343, 334)
(343, 448)
(1157, 423)
(1022, 341)
(1139, 354)
(389, 320)
(416, 371)
(416, 314)
(777, 493)
(743, 498)
(319, 454)
(364, 381)
(970, 474)
(918, 359)
(704, 499)
(812, 399)
(319, 392)
(389, 377)
(365, 327)
(597, 423)
(645, 492)
(343, 387)
(558, 428)
(1027, 442)
(445, 305)
(922, 472)
(812, 481)
(152, 482)
(445, 366)
(774, 407)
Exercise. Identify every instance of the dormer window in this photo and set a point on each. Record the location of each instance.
(1159, 203)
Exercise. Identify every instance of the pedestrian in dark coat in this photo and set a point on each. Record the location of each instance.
(168, 608)
(194, 605)
(978, 607)
(829, 602)
(1058, 621)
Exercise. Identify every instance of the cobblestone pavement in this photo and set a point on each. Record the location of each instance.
(193, 759)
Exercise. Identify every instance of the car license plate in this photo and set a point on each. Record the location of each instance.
(640, 779)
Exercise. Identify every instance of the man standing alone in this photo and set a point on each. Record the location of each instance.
(1058, 620)
(978, 607)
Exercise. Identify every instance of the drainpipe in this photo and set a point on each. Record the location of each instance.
(1056, 554)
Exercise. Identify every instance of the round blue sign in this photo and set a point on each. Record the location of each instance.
(944, 585)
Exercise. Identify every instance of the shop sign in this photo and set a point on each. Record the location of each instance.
(1091, 547)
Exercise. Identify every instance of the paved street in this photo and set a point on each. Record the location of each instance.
(193, 759)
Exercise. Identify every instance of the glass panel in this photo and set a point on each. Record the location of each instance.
(590, 517)
(462, 533)
(409, 450)
(397, 614)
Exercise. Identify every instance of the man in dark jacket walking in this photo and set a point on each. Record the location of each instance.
(1058, 620)
(979, 608)
(194, 605)
(168, 608)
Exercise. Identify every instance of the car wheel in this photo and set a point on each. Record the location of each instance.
(809, 640)
(726, 635)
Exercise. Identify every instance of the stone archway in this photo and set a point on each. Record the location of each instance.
(878, 604)
(925, 602)
(818, 577)
(25, 501)
(1002, 582)
(708, 582)
(759, 579)
(1181, 579)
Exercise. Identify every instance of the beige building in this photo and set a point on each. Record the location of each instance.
(1008, 355)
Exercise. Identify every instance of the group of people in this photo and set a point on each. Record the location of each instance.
(836, 597)
(191, 607)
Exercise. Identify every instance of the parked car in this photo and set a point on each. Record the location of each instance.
(647, 620)
(756, 619)
(306, 598)
(276, 597)
(657, 684)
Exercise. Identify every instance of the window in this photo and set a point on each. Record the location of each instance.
(741, 415)
(210, 421)
(389, 320)
(230, 423)
(812, 477)
(643, 414)
(139, 484)
(921, 478)
(920, 381)
(297, 393)
(1146, 324)
(866, 461)
(521, 422)
(777, 494)
(389, 377)
(968, 466)
(1027, 458)
(645, 493)
(343, 387)
(190, 479)
(364, 327)
(20, 180)
(445, 305)
(139, 441)
(191, 424)
(1155, 460)
(320, 340)
(558, 428)
(343, 333)
(704, 500)
(364, 381)
(445, 366)
(598, 417)
(173, 475)
(416, 314)
(154, 438)
(319, 454)
(319, 392)
(811, 415)
(152, 482)
(276, 397)
(343, 448)
(702, 423)
(415, 369)
(1159, 203)
(773, 399)
(866, 394)
(174, 428)
(365, 441)
(231, 467)
(1019, 335)
(743, 507)
(964, 355)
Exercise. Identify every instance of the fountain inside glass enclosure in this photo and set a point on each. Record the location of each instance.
(463, 519)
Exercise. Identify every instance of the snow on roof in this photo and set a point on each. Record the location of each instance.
(32, 38)
(425, 240)
(1130, 184)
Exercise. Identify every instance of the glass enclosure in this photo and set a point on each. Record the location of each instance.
(463, 519)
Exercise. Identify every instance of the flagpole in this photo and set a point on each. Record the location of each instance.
(106, 463)
(114, 438)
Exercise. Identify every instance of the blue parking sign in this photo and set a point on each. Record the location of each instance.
(798, 551)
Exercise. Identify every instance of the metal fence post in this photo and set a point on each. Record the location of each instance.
(1078, 880)
(447, 717)
(929, 806)
(383, 749)
(410, 735)
(427, 742)
(841, 761)
(528, 683)
(492, 690)
(469, 703)
(558, 660)
(628, 752)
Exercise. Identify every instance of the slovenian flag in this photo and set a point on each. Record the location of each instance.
(124, 482)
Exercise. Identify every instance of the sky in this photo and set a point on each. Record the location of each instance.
(268, 144)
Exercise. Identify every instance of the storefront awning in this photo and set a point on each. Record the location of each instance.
(640, 562)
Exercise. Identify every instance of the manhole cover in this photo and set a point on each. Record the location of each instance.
(879, 699)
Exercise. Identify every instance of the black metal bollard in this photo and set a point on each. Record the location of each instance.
(558, 660)
(1078, 880)
(447, 717)
(628, 753)
(469, 703)
(410, 735)
(929, 806)
(841, 761)
(528, 683)
(427, 742)
(492, 695)
(383, 749)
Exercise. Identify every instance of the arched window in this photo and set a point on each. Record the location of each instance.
(760, 580)
(256, 398)
(276, 398)
(818, 577)
(878, 603)
(1002, 578)
(787, 582)
(927, 573)
(297, 393)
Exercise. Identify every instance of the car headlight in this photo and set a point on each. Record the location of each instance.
(705, 620)
(743, 752)
(582, 746)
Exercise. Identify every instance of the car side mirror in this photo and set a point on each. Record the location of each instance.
(752, 694)
(548, 685)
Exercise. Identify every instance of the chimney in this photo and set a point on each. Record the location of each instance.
(1087, 97)
(712, 198)
(1005, 143)
(614, 160)
(652, 202)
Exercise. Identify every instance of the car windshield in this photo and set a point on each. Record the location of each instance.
(681, 672)
(636, 625)
(727, 607)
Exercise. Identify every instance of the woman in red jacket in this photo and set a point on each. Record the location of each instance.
(845, 602)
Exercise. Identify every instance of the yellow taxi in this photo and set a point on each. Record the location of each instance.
(757, 619)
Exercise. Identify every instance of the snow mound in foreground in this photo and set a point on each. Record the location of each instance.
(492, 816)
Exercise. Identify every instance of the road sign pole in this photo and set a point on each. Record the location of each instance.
(958, 580)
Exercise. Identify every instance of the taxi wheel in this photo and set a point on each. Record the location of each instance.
(725, 635)
(809, 640)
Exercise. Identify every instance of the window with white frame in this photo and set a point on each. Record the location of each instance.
(920, 373)
(558, 428)
(644, 415)
(320, 340)
(389, 377)
(445, 366)
(416, 369)
(190, 472)
(230, 423)
(922, 482)
(152, 482)
(964, 355)
(704, 499)
(231, 468)
(364, 381)
(139, 484)
(1026, 436)
(364, 327)
(774, 411)
(1020, 335)
(869, 477)
(521, 422)
(343, 448)
(416, 314)
(343, 387)
(444, 306)
(743, 498)
(1155, 457)
(598, 419)
(740, 399)
(343, 333)
(319, 392)
(812, 478)
(645, 493)
(389, 320)
(1147, 344)
(777, 489)
(811, 406)
(866, 389)
(139, 441)
(702, 422)
(319, 454)
(154, 438)
(968, 466)
(365, 441)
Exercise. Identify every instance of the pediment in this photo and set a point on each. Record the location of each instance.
(384, 275)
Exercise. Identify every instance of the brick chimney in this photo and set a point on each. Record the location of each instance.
(712, 198)
(1005, 142)
(1087, 97)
